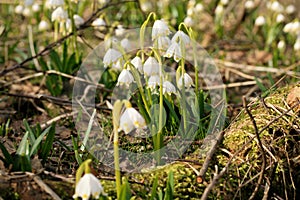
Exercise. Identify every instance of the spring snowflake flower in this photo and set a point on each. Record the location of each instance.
(199, 7)
(36, 7)
(174, 50)
(181, 36)
(163, 43)
(146, 6)
(290, 9)
(188, 21)
(59, 14)
(260, 20)
(88, 185)
(219, 10)
(27, 12)
(130, 120)
(98, 22)
(19, 9)
(119, 30)
(275, 6)
(153, 81)
(111, 56)
(280, 18)
(160, 28)
(125, 43)
(249, 4)
(137, 63)
(125, 78)
(288, 27)
(168, 87)
(54, 3)
(78, 20)
(281, 45)
(43, 25)
(224, 2)
(297, 44)
(151, 67)
(188, 81)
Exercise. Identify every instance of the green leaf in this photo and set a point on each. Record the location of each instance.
(125, 190)
(46, 147)
(29, 130)
(38, 141)
(22, 149)
(8, 158)
(170, 186)
(154, 188)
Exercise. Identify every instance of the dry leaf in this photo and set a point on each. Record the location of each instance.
(294, 98)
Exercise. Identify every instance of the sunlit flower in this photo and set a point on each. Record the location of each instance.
(188, 21)
(281, 45)
(36, 7)
(190, 11)
(153, 81)
(199, 7)
(249, 4)
(224, 2)
(137, 63)
(181, 36)
(146, 6)
(174, 50)
(99, 22)
(297, 44)
(118, 65)
(188, 81)
(290, 9)
(130, 120)
(288, 27)
(125, 43)
(260, 20)
(59, 14)
(168, 87)
(296, 27)
(54, 3)
(27, 12)
(219, 10)
(111, 56)
(19, 9)
(275, 6)
(88, 185)
(43, 25)
(280, 18)
(160, 28)
(78, 20)
(151, 67)
(125, 78)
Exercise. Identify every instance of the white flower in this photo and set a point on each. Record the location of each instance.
(288, 27)
(260, 20)
(276, 6)
(168, 87)
(249, 4)
(188, 21)
(160, 28)
(280, 18)
(125, 43)
(290, 9)
(146, 6)
(130, 120)
(137, 63)
(125, 78)
(78, 20)
(98, 22)
(224, 2)
(199, 7)
(111, 56)
(43, 25)
(59, 14)
(153, 81)
(88, 185)
(175, 50)
(151, 67)
(297, 44)
(281, 45)
(296, 27)
(119, 30)
(35, 7)
(163, 43)
(27, 12)
(219, 10)
(181, 36)
(188, 81)
(190, 11)
(54, 3)
(19, 9)
(118, 65)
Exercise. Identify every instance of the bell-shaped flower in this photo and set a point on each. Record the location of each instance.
(78, 20)
(130, 120)
(36, 7)
(119, 30)
(151, 67)
(118, 65)
(290, 9)
(249, 4)
(163, 43)
(275, 6)
(87, 186)
(280, 18)
(111, 56)
(174, 50)
(137, 63)
(153, 81)
(125, 78)
(54, 3)
(19, 9)
(260, 20)
(59, 14)
(43, 25)
(168, 87)
(188, 21)
(99, 22)
(185, 80)
(160, 28)
(27, 12)
(199, 7)
(181, 36)
(125, 43)
(297, 44)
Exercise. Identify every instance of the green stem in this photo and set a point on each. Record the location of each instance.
(117, 164)
(183, 95)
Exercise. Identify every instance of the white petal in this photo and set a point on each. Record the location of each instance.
(153, 81)
(160, 28)
(137, 63)
(111, 56)
(168, 87)
(188, 81)
(180, 35)
(125, 77)
(126, 123)
(136, 117)
(151, 67)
